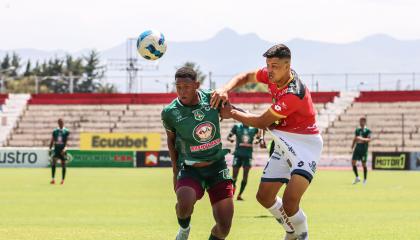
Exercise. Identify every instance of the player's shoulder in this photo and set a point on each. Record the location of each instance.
(171, 106)
(66, 129)
(205, 94)
(296, 87)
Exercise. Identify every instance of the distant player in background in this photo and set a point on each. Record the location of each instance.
(242, 156)
(59, 140)
(360, 152)
(292, 123)
(198, 160)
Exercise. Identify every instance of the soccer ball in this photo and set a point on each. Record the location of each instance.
(151, 45)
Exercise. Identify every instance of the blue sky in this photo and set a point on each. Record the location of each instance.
(79, 24)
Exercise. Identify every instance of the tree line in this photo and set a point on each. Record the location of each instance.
(82, 74)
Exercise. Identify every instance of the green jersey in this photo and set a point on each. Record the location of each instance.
(365, 133)
(197, 129)
(60, 137)
(244, 139)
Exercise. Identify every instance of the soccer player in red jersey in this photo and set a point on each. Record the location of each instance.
(298, 143)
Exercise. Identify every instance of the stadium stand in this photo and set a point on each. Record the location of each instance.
(391, 115)
(11, 108)
(117, 113)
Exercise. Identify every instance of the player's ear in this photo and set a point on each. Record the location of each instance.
(197, 84)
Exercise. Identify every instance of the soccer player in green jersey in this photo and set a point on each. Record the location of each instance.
(193, 134)
(59, 140)
(360, 152)
(242, 156)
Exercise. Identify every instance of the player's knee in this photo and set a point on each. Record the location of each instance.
(184, 209)
(264, 200)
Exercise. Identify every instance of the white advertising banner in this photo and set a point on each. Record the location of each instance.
(24, 157)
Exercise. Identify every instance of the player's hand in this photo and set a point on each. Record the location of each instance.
(219, 96)
(262, 144)
(226, 111)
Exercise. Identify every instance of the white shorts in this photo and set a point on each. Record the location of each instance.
(293, 154)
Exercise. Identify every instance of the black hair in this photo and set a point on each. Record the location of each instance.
(278, 51)
(186, 72)
(363, 119)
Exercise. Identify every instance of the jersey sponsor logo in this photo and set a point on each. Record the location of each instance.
(206, 146)
(290, 148)
(198, 114)
(312, 165)
(204, 132)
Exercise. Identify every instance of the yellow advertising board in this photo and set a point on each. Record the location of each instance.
(120, 141)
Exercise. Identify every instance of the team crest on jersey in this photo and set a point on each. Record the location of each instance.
(204, 132)
(198, 114)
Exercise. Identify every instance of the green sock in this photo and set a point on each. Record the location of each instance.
(64, 172)
(53, 171)
(243, 184)
(212, 237)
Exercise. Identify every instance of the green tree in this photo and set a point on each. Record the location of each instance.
(93, 72)
(28, 71)
(15, 63)
(5, 64)
(200, 75)
(107, 88)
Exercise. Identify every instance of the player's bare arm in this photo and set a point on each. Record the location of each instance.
(221, 95)
(258, 121)
(172, 153)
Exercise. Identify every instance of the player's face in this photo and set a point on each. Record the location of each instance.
(277, 69)
(186, 89)
(60, 123)
(362, 122)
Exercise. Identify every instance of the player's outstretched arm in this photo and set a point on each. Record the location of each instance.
(221, 95)
(259, 121)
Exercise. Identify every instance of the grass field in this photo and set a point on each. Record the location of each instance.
(139, 204)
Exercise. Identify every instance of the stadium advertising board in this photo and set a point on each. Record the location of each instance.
(81, 158)
(24, 157)
(153, 159)
(390, 160)
(415, 161)
(120, 141)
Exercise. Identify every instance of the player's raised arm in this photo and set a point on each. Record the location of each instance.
(221, 95)
(259, 121)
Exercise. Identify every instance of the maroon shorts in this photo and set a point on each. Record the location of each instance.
(216, 193)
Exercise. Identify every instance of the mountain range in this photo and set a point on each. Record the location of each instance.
(228, 53)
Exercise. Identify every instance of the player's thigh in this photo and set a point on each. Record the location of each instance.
(189, 187)
(295, 189)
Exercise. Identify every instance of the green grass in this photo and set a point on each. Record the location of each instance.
(139, 204)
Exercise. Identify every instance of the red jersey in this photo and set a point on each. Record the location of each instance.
(293, 104)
